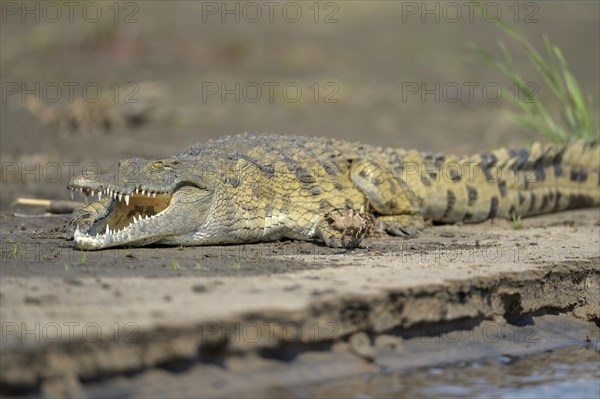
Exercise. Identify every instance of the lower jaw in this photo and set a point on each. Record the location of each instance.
(91, 243)
(128, 236)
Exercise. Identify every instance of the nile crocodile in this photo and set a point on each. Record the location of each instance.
(253, 187)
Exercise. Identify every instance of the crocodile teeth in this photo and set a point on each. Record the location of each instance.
(126, 199)
(99, 195)
(153, 195)
(72, 194)
(143, 192)
(137, 190)
(120, 197)
(107, 230)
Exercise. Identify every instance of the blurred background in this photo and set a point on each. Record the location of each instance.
(95, 82)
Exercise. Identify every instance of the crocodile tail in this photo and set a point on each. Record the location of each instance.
(508, 183)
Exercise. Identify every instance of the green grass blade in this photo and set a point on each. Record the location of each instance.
(577, 112)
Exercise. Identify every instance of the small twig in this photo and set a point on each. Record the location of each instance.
(32, 202)
(45, 215)
(52, 206)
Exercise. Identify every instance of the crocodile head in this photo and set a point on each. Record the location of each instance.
(141, 202)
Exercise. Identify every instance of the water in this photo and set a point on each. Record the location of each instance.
(564, 373)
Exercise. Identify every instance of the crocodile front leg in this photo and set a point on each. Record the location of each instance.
(344, 229)
(85, 216)
(394, 201)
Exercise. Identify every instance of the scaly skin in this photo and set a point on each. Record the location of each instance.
(251, 188)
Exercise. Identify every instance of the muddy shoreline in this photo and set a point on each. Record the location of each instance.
(269, 303)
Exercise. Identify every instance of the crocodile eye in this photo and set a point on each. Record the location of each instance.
(159, 165)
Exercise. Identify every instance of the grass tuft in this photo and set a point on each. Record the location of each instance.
(577, 119)
(15, 247)
(517, 223)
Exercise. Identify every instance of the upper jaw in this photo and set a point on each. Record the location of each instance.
(88, 187)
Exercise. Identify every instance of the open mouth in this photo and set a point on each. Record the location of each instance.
(125, 214)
